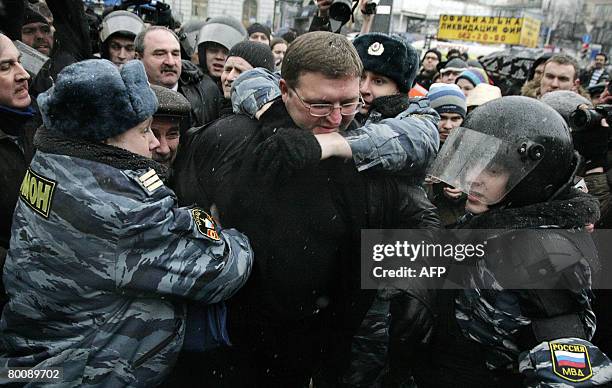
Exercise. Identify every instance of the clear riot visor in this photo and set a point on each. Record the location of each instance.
(483, 166)
(128, 23)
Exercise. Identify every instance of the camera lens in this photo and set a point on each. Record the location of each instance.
(581, 120)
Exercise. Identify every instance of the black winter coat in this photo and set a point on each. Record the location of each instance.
(202, 93)
(72, 42)
(16, 151)
(304, 223)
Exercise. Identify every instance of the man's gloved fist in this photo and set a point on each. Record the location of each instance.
(286, 151)
(253, 89)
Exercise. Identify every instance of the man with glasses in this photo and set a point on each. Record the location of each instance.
(429, 68)
(301, 307)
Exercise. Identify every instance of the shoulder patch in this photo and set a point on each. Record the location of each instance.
(150, 181)
(571, 362)
(205, 223)
(37, 192)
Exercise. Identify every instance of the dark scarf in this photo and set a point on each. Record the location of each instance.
(572, 210)
(53, 143)
(20, 125)
(385, 107)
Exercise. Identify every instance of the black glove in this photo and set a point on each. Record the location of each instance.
(286, 151)
(390, 106)
(592, 145)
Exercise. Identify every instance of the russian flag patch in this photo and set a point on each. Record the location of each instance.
(571, 361)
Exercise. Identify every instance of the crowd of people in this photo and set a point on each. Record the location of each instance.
(184, 206)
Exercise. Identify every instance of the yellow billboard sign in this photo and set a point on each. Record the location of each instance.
(490, 29)
(530, 32)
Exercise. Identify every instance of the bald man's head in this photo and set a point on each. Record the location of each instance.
(13, 77)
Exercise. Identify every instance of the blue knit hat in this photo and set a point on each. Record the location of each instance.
(447, 98)
(94, 100)
(474, 76)
(388, 56)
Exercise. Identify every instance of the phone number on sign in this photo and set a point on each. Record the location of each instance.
(27, 374)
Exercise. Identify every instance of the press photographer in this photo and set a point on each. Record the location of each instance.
(591, 136)
(341, 11)
(150, 11)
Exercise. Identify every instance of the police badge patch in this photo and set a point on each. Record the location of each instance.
(37, 192)
(205, 224)
(571, 362)
(376, 49)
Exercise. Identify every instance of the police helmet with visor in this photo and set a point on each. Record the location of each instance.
(517, 140)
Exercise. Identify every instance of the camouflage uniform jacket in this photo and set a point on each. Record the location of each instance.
(509, 321)
(101, 265)
(406, 143)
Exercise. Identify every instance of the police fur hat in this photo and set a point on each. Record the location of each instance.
(94, 100)
(388, 56)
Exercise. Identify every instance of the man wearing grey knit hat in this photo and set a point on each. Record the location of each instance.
(95, 222)
(242, 57)
(452, 69)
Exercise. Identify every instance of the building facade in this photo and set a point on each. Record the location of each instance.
(248, 11)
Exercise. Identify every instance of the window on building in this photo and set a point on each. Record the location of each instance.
(249, 12)
(199, 8)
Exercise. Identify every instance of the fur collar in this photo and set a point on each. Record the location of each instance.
(53, 143)
(573, 210)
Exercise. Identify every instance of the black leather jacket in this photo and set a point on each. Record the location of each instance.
(201, 92)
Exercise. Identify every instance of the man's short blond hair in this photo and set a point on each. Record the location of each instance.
(320, 52)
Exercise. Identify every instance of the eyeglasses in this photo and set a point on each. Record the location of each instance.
(322, 110)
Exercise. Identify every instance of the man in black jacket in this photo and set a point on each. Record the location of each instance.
(16, 134)
(304, 292)
(71, 42)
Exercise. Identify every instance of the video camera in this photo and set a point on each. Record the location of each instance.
(150, 11)
(585, 119)
(342, 10)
